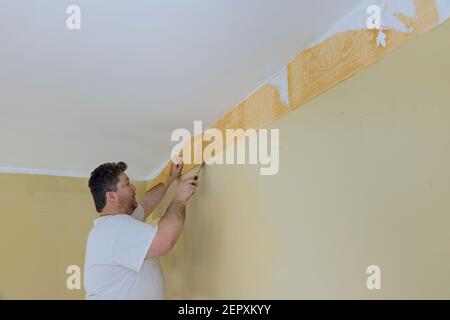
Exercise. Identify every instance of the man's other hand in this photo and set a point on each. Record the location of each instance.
(186, 189)
(177, 166)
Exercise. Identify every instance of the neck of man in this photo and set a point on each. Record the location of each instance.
(112, 212)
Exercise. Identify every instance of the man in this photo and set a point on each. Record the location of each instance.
(122, 250)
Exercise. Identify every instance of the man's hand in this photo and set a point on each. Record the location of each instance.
(153, 196)
(177, 166)
(186, 189)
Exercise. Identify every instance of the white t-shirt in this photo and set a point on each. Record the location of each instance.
(115, 265)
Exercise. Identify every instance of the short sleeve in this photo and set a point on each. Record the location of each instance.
(138, 213)
(131, 243)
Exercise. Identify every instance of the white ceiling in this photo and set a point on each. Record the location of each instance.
(137, 70)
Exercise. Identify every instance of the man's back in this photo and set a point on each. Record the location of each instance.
(115, 265)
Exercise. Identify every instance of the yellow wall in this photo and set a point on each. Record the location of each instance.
(364, 179)
(44, 225)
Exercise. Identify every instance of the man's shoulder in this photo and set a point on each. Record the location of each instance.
(111, 219)
(106, 224)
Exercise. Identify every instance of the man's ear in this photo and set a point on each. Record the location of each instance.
(111, 197)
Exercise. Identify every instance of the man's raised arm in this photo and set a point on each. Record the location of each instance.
(152, 197)
(171, 224)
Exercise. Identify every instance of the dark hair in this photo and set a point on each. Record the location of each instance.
(103, 179)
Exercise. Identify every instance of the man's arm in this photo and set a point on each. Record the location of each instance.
(171, 224)
(153, 197)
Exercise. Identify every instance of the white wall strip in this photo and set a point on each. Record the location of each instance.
(43, 172)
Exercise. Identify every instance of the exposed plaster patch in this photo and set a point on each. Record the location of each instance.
(280, 80)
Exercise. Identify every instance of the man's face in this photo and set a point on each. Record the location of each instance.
(127, 194)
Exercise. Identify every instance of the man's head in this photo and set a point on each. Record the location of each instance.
(111, 188)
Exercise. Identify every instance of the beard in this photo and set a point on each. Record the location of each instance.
(130, 206)
(133, 206)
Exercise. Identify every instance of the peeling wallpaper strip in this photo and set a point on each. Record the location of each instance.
(340, 54)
